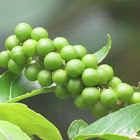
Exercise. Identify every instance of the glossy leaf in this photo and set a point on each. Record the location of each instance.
(102, 53)
(137, 89)
(29, 121)
(9, 131)
(121, 125)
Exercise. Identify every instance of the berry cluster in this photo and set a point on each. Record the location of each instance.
(75, 72)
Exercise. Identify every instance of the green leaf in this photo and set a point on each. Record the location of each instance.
(9, 131)
(102, 53)
(137, 89)
(30, 122)
(76, 127)
(121, 125)
(16, 87)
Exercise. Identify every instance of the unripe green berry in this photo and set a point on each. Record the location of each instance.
(30, 47)
(90, 61)
(90, 77)
(61, 92)
(109, 70)
(22, 31)
(113, 82)
(98, 110)
(68, 53)
(135, 99)
(39, 33)
(90, 95)
(124, 92)
(60, 42)
(60, 76)
(81, 51)
(103, 76)
(45, 46)
(75, 68)
(31, 72)
(53, 61)
(14, 67)
(108, 98)
(11, 42)
(79, 102)
(18, 55)
(45, 78)
(4, 59)
(75, 86)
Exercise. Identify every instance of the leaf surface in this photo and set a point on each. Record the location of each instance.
(137, 89)
(121, 125)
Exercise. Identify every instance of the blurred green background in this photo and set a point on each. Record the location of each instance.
(85, 23)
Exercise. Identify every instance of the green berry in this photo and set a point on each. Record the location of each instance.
(113, 82)
(18, 55)
(81, 51)
(90, 95)
(68, 53)
(124, 92)
(90, 61)
(79, 102)
(60, 42)
(108, 69)
(45, 78)
(90, 77)
(30, 47)
(53, 61)
(31, 72)
(45, 46)
(60, 76)
(22, 31)
(108, 98)
(98, 110)
(4, 58)
(75, 86)
(14, 67)
(11, 42)
(61, 92)
(103, 76)
(75, 68)
(39, 33)
(135, 99)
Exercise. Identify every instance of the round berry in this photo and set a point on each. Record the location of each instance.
(124, 92)
(22, 31)
(60, 42)
(60, 76)
(29, 47)
(4, 58)
(98, 110)
(15, 68)
(108, 98)
(79, 102)
(53, 61)
(103, 76)
(74, 68)
(90, 61)
(108, 69)
(45, 78)
(11, 42)
(45, 46)
(90, 77)
(113, 82)
(61, 92)
(135, 99)
(18, 55)
(90, 95)
(39, 33)
(31, 72)
(75, 86)
(81, 51)
(68, 53)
